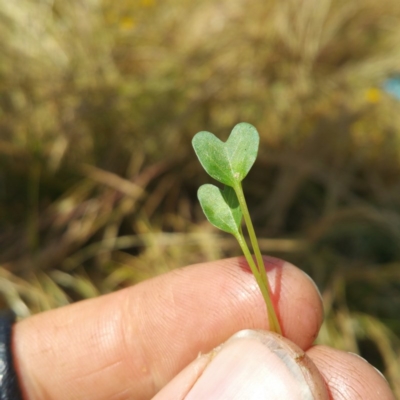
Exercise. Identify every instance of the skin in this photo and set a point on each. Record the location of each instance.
(132, 343)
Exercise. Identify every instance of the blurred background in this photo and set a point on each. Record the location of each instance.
(99, 101)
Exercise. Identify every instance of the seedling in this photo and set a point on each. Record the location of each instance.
(229, 163)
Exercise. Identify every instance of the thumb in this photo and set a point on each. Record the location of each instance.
(250, 365)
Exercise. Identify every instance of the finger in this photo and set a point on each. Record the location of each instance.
(132, 342)
(349, 376)
(250, 365)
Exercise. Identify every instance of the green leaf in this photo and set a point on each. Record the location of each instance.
(221, 207)
(231, 161)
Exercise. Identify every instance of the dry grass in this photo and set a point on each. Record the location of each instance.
(99, 101)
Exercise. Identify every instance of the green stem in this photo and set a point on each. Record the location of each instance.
(274, 325)
(249, 258)
(264, 286)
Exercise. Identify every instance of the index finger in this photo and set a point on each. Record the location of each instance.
(129, 344)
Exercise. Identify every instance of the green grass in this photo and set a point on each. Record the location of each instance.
(99, 102)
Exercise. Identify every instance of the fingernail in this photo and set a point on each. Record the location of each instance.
(259, 365)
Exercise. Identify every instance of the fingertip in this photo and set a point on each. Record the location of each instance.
(297, 300)
(349, 376)
(252, 365)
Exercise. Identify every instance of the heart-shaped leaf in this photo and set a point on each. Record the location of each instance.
(221, 207)
(231, 161)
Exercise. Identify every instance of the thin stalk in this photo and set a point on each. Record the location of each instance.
(261, 268)
(249, 225)
(273, 322)
(249, 258)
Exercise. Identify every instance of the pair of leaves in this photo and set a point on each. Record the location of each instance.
(228, 163)
(231, 161)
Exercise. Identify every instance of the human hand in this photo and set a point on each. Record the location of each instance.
(146, 339)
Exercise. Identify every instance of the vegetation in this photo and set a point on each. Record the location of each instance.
(229, 162)
(99, 101)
